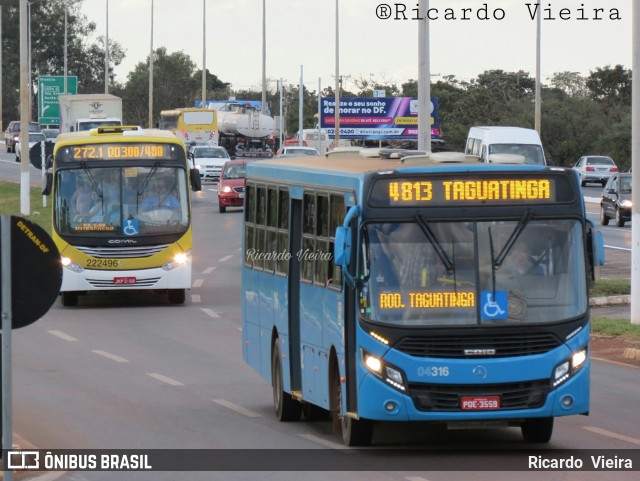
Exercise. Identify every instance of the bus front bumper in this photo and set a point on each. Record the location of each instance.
(178, 277)
(383, 403)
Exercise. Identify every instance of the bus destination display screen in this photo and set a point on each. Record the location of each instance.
(119, 151)
(438, 191)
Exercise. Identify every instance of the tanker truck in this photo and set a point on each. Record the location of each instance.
(245, 132)
(89, 111)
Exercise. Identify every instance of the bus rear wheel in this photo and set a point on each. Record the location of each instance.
(355, 432)
(287, 408)
(537, 430)
(176, 296)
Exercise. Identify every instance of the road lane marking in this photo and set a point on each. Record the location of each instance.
(166, 379)
(198, 283)
(617, 248)
(225, 258)
(415, 478)
(62, 335)
(195, 298)
(330, 444)
(209, 270)
(236, 408)
(610, 434)
(108, 355)
(210, 313)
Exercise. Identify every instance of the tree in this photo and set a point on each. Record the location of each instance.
(611, 86)
(85, 58)
(174, 85)
(571, 83)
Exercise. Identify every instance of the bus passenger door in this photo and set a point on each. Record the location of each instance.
(295, 241)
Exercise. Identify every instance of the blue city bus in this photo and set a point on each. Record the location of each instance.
(416, 290)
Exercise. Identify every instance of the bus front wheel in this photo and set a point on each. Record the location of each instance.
(537, 430)
(287, 408)
(355, 432)
(176, 296)
(69, 299)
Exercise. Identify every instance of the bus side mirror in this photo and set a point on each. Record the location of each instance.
(196, 184)
(595, 250)
(48, 163)
(48, 183)
(342, 247)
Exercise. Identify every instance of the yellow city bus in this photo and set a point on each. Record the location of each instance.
(122, 211)
(199, 125)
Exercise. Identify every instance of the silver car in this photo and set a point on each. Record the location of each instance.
(595, 169)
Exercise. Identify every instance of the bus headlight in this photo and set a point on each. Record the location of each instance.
(391, 375)
(565, 370)
(67, 263)
(626, 203)
(178, 260)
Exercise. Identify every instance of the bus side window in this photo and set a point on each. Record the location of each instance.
(336, 217)
(308, 237)
(322, 243)
(282, 265)
(272, 221)
(261, 221)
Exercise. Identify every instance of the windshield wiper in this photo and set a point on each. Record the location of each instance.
(444, 258)
(496, 262)
(94, 185)
(147, 178)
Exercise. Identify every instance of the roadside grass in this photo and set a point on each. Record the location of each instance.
(615, 327)
(610, 287)
(10, 204)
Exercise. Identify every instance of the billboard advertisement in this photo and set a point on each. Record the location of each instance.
(383, 118)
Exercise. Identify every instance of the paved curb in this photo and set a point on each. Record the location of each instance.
(631, 353)
(609, 300)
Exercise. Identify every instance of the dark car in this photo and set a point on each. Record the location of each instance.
(616, 200)
(12, 134)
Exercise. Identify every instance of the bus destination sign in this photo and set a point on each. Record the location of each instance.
(119, 151)
(421, 192)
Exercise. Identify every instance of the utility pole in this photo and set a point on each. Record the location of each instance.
(635, 162)
(337, 90)
(25, 207)
(424, 80)
(151, 73)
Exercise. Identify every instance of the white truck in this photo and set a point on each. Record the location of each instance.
(89, 111)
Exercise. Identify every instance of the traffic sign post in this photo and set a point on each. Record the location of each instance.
(50, 87)
(29, 264)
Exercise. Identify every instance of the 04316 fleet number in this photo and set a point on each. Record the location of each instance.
(102, 263)
(434, 371)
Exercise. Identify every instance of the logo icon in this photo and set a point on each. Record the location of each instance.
(494, 308)
(480, 372)
(23, 460)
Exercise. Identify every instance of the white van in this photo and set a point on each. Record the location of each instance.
(311, 138)
(483, 142)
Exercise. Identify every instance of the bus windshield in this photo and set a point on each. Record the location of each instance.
(473, 273)
(121, 201)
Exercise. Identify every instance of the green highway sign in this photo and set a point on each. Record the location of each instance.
(49, 88)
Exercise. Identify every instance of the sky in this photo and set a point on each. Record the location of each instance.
(301, 37)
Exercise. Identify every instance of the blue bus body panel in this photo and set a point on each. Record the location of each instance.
(538, 367)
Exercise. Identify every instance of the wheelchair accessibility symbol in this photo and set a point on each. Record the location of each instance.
(130, 227)
(494, 308)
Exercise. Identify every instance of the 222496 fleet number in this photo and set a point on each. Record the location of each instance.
(102, 263)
